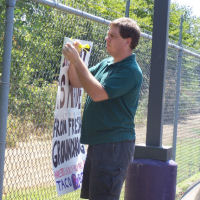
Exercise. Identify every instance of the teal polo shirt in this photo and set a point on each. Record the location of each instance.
(112, 120)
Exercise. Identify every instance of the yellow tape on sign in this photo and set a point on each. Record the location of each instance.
(83, 46)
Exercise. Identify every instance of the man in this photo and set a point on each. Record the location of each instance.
(113, 88)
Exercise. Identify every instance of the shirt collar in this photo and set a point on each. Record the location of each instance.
(125, 60)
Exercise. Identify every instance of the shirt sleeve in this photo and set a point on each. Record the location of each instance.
(122, 81)
(94, 69)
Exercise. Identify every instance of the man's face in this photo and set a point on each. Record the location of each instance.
(114, 42)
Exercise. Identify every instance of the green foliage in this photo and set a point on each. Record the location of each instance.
(32, 115)
(191, 26)
(142, 12)
(36, 100)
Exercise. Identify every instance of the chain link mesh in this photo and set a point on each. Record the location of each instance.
(37, 42)
(188, 130)
(170, 96)
(188, 138)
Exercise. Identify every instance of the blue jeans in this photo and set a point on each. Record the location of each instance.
(105, 170)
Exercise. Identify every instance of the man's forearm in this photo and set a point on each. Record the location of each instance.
(73, 77)
(91, 85)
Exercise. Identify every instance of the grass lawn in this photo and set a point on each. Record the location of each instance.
(44, 193)
(183, 186)
(188, 158)
(40, 193)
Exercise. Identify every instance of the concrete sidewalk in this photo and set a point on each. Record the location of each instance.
(193, 193)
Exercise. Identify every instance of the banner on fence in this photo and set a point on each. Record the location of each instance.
(68, 155)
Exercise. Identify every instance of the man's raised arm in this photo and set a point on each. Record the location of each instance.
(90, 84)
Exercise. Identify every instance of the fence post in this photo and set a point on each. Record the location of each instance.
(4, 85)
(127, 8)
(152, 174)
(178, 82)
(154, 148)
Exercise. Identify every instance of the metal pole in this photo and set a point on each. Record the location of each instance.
(157, 76)
(127, 8)
(153, 148)
(178, 82)
(4, 85)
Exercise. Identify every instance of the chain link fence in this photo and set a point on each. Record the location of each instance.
(188, 115)
(188, 137)
(38, 36)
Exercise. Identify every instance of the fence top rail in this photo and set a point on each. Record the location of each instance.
(62, 7)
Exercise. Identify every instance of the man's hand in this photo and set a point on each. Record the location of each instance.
(77, 46)
(80, 76)
(71, 52)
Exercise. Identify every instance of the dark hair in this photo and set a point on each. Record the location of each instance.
(128, 28)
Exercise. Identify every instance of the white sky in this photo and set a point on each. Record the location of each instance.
(194, 4)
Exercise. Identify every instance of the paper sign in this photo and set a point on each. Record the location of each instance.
(68, 155)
